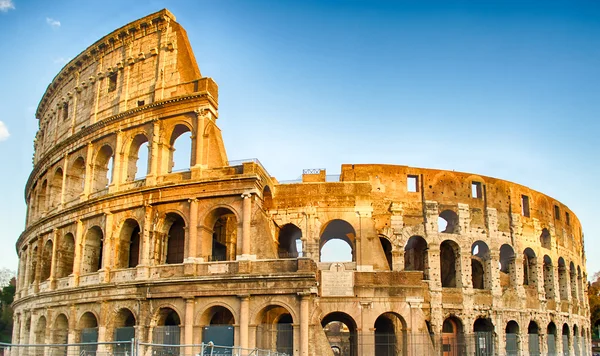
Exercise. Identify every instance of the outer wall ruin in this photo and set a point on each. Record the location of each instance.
(436, 255)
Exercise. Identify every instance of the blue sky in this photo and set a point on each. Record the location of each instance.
(508, 89)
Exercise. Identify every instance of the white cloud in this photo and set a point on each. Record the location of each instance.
(6, 5)
(3, 132)
(52, 22)
(61, 60)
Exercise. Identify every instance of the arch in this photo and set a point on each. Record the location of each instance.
(124, 329)
(275, 329)
(448, 222)
(563, 279)
(75, 179)
(512, 338)
(60, 331)
(267, 197)
(416, 257)
(533, 335)
(390, 335)
(546, 239)
(103, 168)
(66, 255)
(566, 338)
(182, 160)
(341, 331)
(450, 264)
(480, 261)
(224, 226)
(217, 315)
(92, 251)
(483, 328)
(386, 246)
(573, 279)
(175, 245)
(87, 320)
(576, 340)
(453, 336)
(580, 284)
(507, 265)
(529, 268)
(46, 261)
(290, 241)
(332, 233)
(34, 258)
(129, 244)
(42, 198)
(56, 187)
(551, 338)
(40, 332)
(548, 277)
(167, 330)
(137, 160)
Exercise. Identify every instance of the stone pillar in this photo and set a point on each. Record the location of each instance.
(79, 236)
(108, 253)
(189, 325)
(246, 219)
(493, 273)
(54, 259)
(118, 158)
(433, 258)
(367, 331)
(244, 320)
(199, 138)
(191, 250)
(154, 144)
(64, 181)
(304, 323)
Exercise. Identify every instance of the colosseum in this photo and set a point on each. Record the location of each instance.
(120, 243)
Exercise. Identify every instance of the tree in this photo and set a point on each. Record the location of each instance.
(594, 301)
(6, 313)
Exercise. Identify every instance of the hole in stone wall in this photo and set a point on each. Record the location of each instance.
(525, 205)
(412, 183)
(476, 190)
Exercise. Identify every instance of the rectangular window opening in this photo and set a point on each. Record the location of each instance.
(557, 212)
(567, 218)
(412, 184)
(141, 103)
(112, 82)
(476, 191)
(525, 205)
(65, 111)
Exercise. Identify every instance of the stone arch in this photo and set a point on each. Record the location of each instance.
(546, 239)
(507, 266)
(529, 268)
(573, 279)
(34, 263)
(46, 265)
(275, 329)
(56, 187)
(219, 310)
(42, 198)
(168, 326)
(533, 334)
(176, 142)
(60, 330)
(453, 336)
(450, 264)
(551, 338)
(75, 179)
(223, 225)
(174, 246)
(563, 279)
(129, 244)
(480, 265)
(290, 241)
(92, 250)
(102, 174)
(512, 344)
(40, 331)
(339, 230)
(341, 331)
(267, 198)
(448, 222)
(386, 246)
(483, 328)
(66, 255)
(415, 255)
(124, 322)
(566, 338)
(580, 283)
(548, 277)
(132, 158)
(576, 340)
(390, 335)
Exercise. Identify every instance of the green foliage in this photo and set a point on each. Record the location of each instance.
(594, 300)
(6, 313)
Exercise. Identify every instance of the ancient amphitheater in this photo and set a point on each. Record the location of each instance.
(115, 247)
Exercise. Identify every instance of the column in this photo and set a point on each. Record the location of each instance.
(304, 323)
(54, 259)
(367, 332)
(89, 169)
(199, 137)
(64, 181)
(246, 218)
(78, 252)
(117, 173)
(244, 320)
(191, 248)
(155, 156)
(188, 327)
(494, 273)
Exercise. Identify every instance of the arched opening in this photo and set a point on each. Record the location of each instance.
(453, 343)
(507, 266)
(56, 188)
(66, 256)
(290, 241)
(42, 198)
(576, 341)
(563, 279)
(448, 222)
(26, 330)
(390, 335)
(267, 198)
(484, 336)
(580, 284)
(129, 244)
(551, 338)
(88, 333)
(336, 243)
(546, 239)
(40, 335)
(137, 158)
(224, 234)
(450, 264)
(341, 333)
(46, 261)
(34, 263)
(181, 149)
(60, 334)
(124, 330)
(103, 168)
(92, 251)
(415, 255)
(548, 277)
(529, 268)
(275, 330)
(387, 250)
(167, 330)
(218, 326)
(512, 338)
(480, 261)
(566, 339)
(573, 279)
(175, 239)
(533, 332)
(75, 179)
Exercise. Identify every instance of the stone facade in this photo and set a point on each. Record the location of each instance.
(435, 253)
